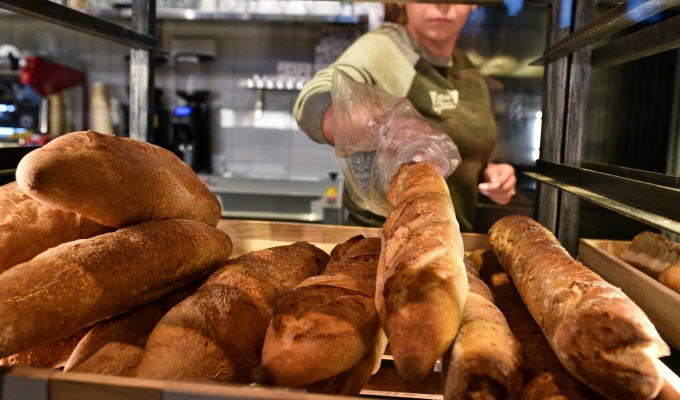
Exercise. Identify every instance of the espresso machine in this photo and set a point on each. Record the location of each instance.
(191, 121)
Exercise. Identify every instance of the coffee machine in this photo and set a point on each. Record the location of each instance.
(191, 121)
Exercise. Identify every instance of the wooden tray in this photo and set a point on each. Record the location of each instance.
(24, 383)
(660, 303)
(250, 235)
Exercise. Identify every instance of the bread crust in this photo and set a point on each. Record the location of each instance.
(597, 332)
(327, 323)
(53, 354)
(115, 181)
(28, 227)
(115, 346)
(217, 333)
(544, 375)
(485, 361)
(81, 282)
(421, 284)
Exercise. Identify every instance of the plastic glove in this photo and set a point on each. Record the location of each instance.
(375, 133)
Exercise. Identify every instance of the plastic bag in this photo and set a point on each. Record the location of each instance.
(375, 133)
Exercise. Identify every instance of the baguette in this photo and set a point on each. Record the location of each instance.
(421, 283)
(115, 181)
(52, 354)
(79, 283)
(544, 375)
(115, 346)
(28, 227)
(327, 323)
(217, 333)
(597, 332)
(651, 253)
(485, 361)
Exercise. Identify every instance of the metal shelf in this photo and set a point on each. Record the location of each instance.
(614, 21)
(69, 18)
(200, 15)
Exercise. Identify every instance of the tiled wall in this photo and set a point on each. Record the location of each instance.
(243, 49)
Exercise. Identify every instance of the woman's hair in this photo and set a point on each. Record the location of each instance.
(396, 13)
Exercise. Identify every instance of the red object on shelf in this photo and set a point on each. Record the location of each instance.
(47, 77)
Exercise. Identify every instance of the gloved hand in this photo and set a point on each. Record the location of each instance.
(375, 133)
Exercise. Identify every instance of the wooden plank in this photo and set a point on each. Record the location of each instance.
(24, 383)
(80, 386)
(248, 235)
(387, 383)
(175, 390)
(569, 212)
(671, 387)
(661, 304)
(552, 129)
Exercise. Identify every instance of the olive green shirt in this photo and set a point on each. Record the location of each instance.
(450, 92)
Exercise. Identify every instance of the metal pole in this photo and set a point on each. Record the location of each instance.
(142, 71)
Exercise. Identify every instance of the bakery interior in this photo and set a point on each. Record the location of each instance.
(591, 127)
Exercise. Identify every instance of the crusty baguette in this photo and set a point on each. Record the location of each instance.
(52, 354)
(597, 332)
(327, 323)
(485, 361)
(79, 283)
(115, 346)
(115, 181)
(544, 375)
(28, 227)
(217, 333)
(671, 277)
(421, 284)
(651, 253)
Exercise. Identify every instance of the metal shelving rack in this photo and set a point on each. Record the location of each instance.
(563, 174)
(141, 38)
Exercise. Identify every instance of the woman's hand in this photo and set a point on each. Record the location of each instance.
(499, 183)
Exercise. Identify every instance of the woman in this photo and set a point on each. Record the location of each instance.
(417, 58)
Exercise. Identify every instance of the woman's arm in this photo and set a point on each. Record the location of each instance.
(327, 125)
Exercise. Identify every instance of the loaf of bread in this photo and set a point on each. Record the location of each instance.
(82, 282)
(671, 277)
(115, 346)
(53, 354)
(217, 333)
(115, 181)
(485, 361)
(352, 381)
(597, 332)
(544, 375)
(327, 323)
(421, 285)
(651, 253)
(28, 227)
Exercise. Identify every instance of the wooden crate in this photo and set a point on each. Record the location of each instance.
(24, 383)
(660, 303)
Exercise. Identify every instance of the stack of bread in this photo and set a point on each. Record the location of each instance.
(125, 274)
(96, 225)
